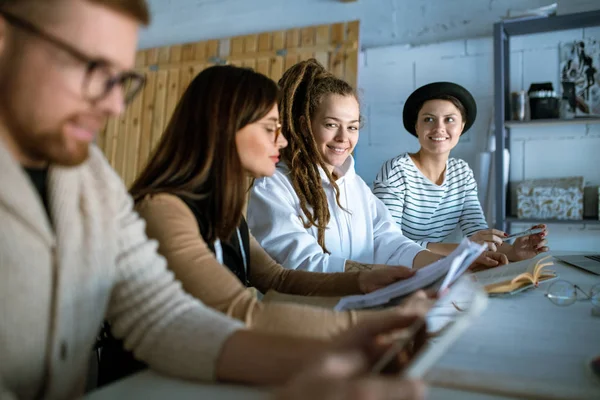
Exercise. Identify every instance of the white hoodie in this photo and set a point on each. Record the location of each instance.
(367, 233)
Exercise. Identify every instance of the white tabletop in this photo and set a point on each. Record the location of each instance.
(526, 344)
(151, 386)
(522, 346)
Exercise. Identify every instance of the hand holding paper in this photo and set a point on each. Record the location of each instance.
(451, 267)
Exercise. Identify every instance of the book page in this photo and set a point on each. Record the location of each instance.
(504, 278)
(455, 263)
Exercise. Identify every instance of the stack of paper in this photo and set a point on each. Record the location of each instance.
(451, 267)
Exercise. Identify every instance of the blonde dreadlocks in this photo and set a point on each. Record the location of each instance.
(303, 87)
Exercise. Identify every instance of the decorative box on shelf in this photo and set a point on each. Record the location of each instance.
(554, 198)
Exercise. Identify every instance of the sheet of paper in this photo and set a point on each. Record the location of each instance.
(451, 266)
(504, 272)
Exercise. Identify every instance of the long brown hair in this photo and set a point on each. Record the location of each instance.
(303, 87)
(197, 156)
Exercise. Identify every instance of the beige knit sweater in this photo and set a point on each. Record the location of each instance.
(59, 280)
(170, 221)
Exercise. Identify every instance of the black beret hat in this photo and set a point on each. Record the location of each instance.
(433, 91)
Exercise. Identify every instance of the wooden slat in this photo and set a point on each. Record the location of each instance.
(172, 93)
(175, 56)
(173, 84)
(133, 141)
(187, 52)
(249, 64)
(212, 48)
(164, 55)
(307, 39)
(237, 46)
(323, 36)
(149, 96)
(152, 56)
(160, 100)
(200, 51)
(277, 61)
(336, 60)
(121, 146)
(263, 66)
(250, 47)
(101, 139)
(351, 57)
(265, 43)
(292, 41)
(250, 43)
(112, 131)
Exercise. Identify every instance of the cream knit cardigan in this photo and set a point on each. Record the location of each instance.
(59, 279)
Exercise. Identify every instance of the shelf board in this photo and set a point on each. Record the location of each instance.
(549, 122)
(591, 221)
(528, 26)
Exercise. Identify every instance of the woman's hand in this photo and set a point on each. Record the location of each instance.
(381, 276)
(491, 237)
(527, 247)
(488, 259)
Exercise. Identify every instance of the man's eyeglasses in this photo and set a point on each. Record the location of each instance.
(99, 81)
(564, 293)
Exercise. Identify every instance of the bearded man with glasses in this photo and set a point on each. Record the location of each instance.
(72, 250)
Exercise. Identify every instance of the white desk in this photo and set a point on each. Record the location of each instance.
(150, 386)
(525, 343)
(522, 344)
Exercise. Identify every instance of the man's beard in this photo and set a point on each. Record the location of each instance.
(55, 149)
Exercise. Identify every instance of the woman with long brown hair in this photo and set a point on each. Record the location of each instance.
(316, 213)
(192, 194)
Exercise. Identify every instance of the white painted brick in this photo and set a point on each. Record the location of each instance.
(517, 160)
(369, 159)
(541, 66)
(562, 158)
(550, 133)
(398, 54)
(475, 72)
(384, 124)
(483, 45)
(386, 83)
(593, 32)
(516, 71)
(548, 40)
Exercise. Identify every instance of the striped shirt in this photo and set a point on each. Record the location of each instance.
(427, 212)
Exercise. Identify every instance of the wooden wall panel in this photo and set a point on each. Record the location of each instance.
(129, 140)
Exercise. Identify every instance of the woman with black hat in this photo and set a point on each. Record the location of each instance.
(429, 194)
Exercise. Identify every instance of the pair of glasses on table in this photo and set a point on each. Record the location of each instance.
(564, 293)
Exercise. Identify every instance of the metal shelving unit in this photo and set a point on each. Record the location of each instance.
(503, 31)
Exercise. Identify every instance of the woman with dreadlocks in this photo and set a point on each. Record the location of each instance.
(316, 213)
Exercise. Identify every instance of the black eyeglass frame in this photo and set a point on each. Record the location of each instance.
(123, 79)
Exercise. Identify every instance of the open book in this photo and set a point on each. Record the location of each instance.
(515, 277)
(448, 268)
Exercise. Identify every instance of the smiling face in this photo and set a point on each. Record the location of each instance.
(259, 143)
(439, 126)
(335, 127)
(60, 124)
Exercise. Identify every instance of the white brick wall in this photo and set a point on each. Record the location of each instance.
(389, 75)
